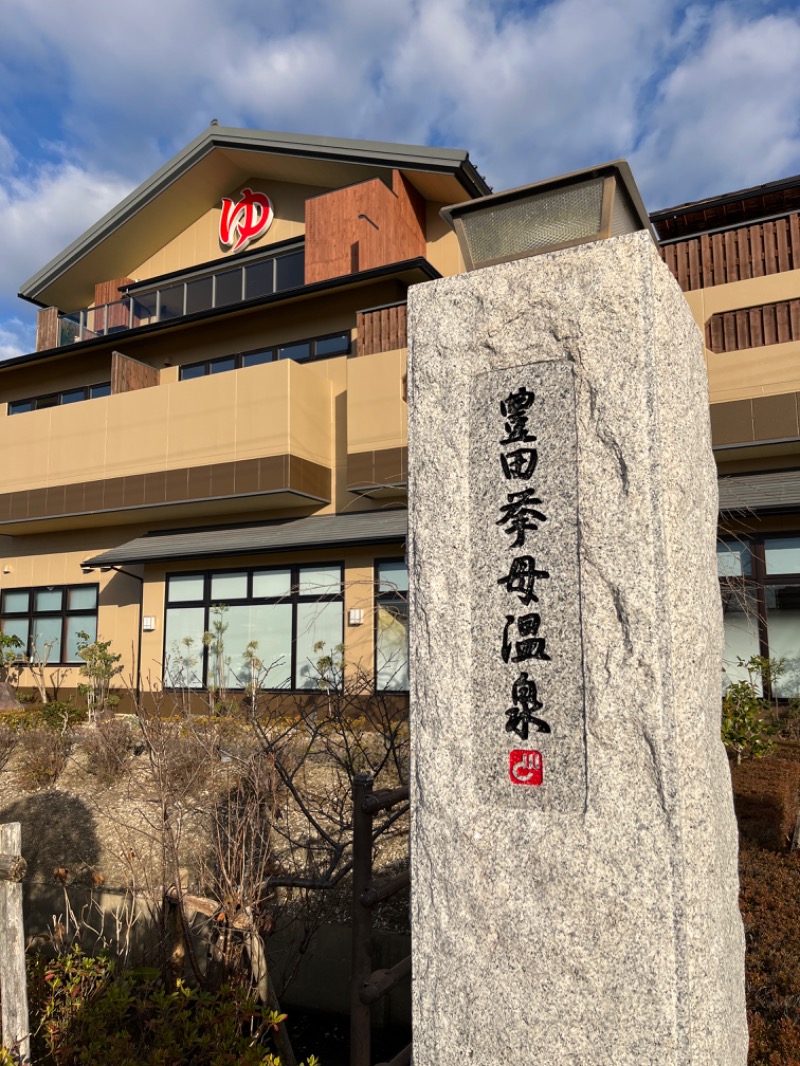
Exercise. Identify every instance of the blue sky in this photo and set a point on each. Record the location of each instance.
(701, 98)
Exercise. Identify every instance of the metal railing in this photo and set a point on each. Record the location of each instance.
(232, 283)
(367, 986)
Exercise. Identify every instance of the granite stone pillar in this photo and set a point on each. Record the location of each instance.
(573, 839)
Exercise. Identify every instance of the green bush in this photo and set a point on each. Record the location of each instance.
(84, 1013)
(61, 714)
(748, 720)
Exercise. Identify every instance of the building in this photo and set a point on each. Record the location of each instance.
(737, 258)
(215, 414)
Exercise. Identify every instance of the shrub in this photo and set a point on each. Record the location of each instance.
(43, 755)
(108, 749)
(20, 719)
(61, 715)
(748, 724)
(179, 755)
(8, 741)
(100, 667)
(88, 1014)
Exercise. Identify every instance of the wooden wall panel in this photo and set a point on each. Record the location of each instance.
(382, 330)
(47, 329)
(736, 255)
(117, 316)
(754, 327)
(129, 374)
(107, 292)
(363, 226)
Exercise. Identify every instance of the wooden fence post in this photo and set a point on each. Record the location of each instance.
(13, 980)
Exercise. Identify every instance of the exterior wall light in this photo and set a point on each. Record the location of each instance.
(589, 205)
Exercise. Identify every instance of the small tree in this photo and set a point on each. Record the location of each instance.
(748, 721)
(218, 663)
(100, 667)
(37, 664)
(10, 658)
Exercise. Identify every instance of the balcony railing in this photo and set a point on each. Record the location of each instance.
(186, 296)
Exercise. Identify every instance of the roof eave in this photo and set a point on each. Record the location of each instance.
(415, 157)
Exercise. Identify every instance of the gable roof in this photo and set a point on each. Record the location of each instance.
(205, 170)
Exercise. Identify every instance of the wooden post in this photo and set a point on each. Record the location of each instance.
(13, 981)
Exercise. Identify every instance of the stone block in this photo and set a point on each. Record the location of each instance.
(591, 919)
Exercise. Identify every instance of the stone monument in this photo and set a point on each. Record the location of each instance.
(574, 851)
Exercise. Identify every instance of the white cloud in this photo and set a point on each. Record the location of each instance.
(726, 116)
(16, 337)
(42, 214)
(702, 99)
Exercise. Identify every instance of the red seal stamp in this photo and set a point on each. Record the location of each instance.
(525, 767)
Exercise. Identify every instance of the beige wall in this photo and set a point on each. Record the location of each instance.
(442, 243)
(377, 414)
(768, 370)
(55, 559)
(258, 328)
(277, 408)
(199, 242)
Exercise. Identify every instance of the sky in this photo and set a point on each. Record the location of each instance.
(701, 98)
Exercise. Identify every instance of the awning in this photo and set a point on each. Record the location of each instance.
(773, 491)
(295, 534)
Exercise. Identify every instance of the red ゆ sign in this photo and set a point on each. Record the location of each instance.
(242, 222)
(525, 767)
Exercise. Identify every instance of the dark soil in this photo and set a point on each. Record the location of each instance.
(770, 903)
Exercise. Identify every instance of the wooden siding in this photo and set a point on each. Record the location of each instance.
(383, 330)
(754, 327)
(47, 329)
(129, 374)
(107, 292)
(363, 226)
(735, 255)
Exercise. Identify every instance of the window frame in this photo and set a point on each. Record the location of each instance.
(240, 357)
(143, 294)
(65, 613)
(392, 597)
(294, 599)
(87, 390)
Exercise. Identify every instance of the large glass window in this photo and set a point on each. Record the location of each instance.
(294, 614)
(760, 587)
(391, 626)
(48, 620)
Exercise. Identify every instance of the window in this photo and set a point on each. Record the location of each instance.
(760, 587)
(288, 610)
(391, 625)
(247, 281)
(56, 399)
(48, 620)
(301, 351)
